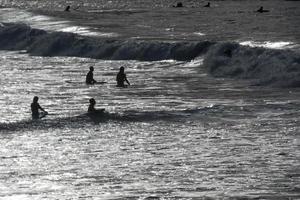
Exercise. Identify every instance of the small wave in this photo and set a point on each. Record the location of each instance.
(273, 67)
(96, 118)
(41, 43)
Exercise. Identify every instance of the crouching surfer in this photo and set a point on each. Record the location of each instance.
(90, 77)
(35, 107)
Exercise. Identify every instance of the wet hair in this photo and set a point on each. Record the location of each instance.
(122, 68)
(91, 68)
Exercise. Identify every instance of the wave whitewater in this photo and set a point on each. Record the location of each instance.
(279, 68)
(41, 43)
(273, 67)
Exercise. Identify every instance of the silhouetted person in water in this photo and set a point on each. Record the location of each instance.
(121, 78)
(35, 107)
(261, 10)
(67, 9)
(207, 5)
(92, 105)
(90, 77)
(178, 5)
(92, 108)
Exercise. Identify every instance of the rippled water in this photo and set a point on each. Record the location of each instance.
(189, 135)
(175, 133)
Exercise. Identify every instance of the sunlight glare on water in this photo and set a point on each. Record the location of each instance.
(185, 137)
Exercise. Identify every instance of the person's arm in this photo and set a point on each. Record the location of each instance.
(41, 108)
(126, 80)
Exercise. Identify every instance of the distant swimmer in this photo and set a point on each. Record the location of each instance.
(121, 78)
(261, 10)
(67, 9)
(178, 5)
(90, 77)
(92, 108)
(35, 107)
(207, 5)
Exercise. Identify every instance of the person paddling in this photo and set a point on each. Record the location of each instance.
(207, 5)
(90, 77)
(261, 10)
(121, 78)
(35, 107)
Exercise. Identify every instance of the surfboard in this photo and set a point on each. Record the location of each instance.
(43, 114)
(78, 82)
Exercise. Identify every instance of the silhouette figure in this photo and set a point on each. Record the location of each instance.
(92, 108)
(261, 10)
(121, 78)
(35, 107)
(178, 5)
(90, 77)
(207, 5)
(92, 105)
(67, 9)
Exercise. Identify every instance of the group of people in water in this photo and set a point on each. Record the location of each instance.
(180, 5)
(120, 78)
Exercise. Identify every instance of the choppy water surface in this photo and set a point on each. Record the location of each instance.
(177, 132)
(188, 135)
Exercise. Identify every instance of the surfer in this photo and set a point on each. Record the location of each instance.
(67, 9)
(121, 78)
(207, 5)
(90, 77)
(261, 10)
(35, 107)
(92, 108)
(178, 5)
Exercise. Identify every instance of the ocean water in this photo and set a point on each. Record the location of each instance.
(212, 112)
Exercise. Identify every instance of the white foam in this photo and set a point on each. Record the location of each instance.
(48, 23)
(269, 44)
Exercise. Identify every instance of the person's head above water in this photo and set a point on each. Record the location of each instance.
(35, 99)
(91, 68)
(92, 101)
(207, 5)
(67, 8)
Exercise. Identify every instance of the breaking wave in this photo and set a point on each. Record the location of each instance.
(41, 43)
(273, 67)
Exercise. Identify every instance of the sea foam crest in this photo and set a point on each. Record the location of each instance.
(42, 43)
(280, 68)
